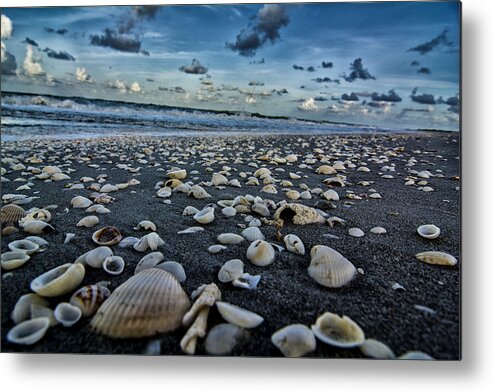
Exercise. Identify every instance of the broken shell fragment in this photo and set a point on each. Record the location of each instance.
(22, 308)
(58, 281)
(88, 221)
(29, 332)
(247, 281)
(329, 268)
(260, 253)
(294, 340)
(294, 244)
(429, 232)
(150, 241)
(197, 330)
(205, 295)
(238, 316)
(434, 257)
(108, 236)
(298, 214)
(338, 331)
(146, 225)
(230, 271)
(38, 227)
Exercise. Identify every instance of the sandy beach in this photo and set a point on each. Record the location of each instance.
(395, 298)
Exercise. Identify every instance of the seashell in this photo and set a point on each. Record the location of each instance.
(339, 332)
(260, 253)
(295, 340)
(219, 179)
(228, 211)
(429, 232)
(238, 316)
(24, 245)
(375, 195)
(179, 174)
(191, 230)
(89, 298)
(372, 348)
(173, 183)
(216, 248)
(205, 295)
(38, 227)
(148, 303)
(107, 188)
(146, 225)
(416, 355)
(356, 232)
(241, 209)
(252, 181)
(306, 195)
(226, 203)
(260, 209)
(229, 238)
(293, 195)
(149, 261)
(39, 214)
(67, 314)
(7, 230)
(325, 169)
(88, 221)
(334, 181)
(22, 308)
(335, 220)
(41, 242)
(108, 235)
(198, 192)
(299, 214)
(247, 281)
(252, 234)
(95, 257)
(330, 195)
(14, 259)
(60, 177)
(80, 202)
(43, 311)
(29, 332)
(262, 172)
(235, 182)
(58, 281)
(190, 210)
(230, 270)
(439, 258)
(113, 265)
(223, 338)
(205, 216)
(198, 329)
(51, 170)
(378, 230)
(294, 244)
(98, 209)
(175, 269)
(329, 268)
(128, 242)
(164, 192)
(269, 189)
(150, 241)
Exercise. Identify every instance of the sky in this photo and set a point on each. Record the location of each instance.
(389, 64)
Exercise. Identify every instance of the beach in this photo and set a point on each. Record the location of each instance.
(420, 313)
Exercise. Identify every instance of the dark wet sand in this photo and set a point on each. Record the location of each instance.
(285, 294)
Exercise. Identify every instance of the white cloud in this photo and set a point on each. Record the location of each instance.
(32, 65)
(6, 27)
(308, 105)
(4, 49)
(250, 100)
(82, 76)
(135, 88)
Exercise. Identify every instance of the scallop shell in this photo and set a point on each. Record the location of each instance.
(230, 270)
(108, 235)
(252, 234)
(58, 281)
(294, 244)
(229, 238)
(175, 269)
(14, 259)
(329, 268)
(95, 257)
(24, 246)
(198, 192)
(149, 261)
(372, 348)
(440, 258)
(113, 265)
(146, 225)
(89, 298)
(80, 202)
(67, 314)
(238, 316)
(88, 221)
(38, 227)
(22, 308)
(11, 214)
(295, 340)
(29, 332)
(205, 295)
(260, 253)
(223, 338)
(338, 331)
(429, 232)
(150, 241)
(299, 214)
(205, 216)
(148, 303)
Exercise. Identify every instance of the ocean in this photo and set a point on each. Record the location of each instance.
(26, 116)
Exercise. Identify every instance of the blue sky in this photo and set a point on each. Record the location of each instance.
(388, 64)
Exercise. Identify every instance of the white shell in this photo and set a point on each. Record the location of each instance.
(228, 211)
(37, 227)
(329, 268)
(429, 232)
(175, 269)
(95, 257)
(247, 281)
(338, 331)
(435, 257)
(294, 244)
(295, 340)
(231, 270)
(219, 179)
(29, 332)
(416, 355)
(88, 221)
(146, 225)
(22, 308)
(205, 216)
(14, 259)
(113, 265)
(229, 238)
(150, 241)
(374, 349)
(149, 261)
(24, 246)
(260, 253)
(330, 195)
(378, 230)
(80, 202)
(222, 339)
(356, 232)
(190, 210)
(252, 234)
(216, 248)
(191, 230)
(238, 316)
(67, 314)
(198, 192)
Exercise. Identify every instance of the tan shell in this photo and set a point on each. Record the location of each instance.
(338, 331)
(58, 281)
(325, 169)
(108, 235)
(197, 330)
(295, 340)
(261, 253)
(14, 259)
(329, 268)
(205, 295)
(229, 238)
(173, 183)
(299, 214)
(11, 214)
(148, 303)
(89, 298)
(179, 174)
(80, 202)
(440, 258)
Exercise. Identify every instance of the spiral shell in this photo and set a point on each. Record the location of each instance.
(329, 268)
(338, 331)
(299, 214)
(148, 303)
(11, 214)
(294, 244)
(261, 253)
(294, 341)
(108, 235)
(89, 298)
(58, 281)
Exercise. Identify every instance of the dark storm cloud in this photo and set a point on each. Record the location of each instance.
(298, 67)
(61, 55)
(150, 80)
(179, 90)
(357, 72)
(310, 69)
(30, 41)
(255, 83)
(263, 28)
(145, 53)
(453, 101)
(375, 104)
(261, 61)
(282, 91)
(441, 40)
(135, 16)
(328, 64)
(111, 39)
(9, 65)
(415, 63)
(194, 68)
(350, 97)
(326, 80)
(57, 31)
(425, 99)
(320, 99)
(424, 70)
(454, 109)
(391, 96)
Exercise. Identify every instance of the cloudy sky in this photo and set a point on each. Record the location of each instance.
(389, 64)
